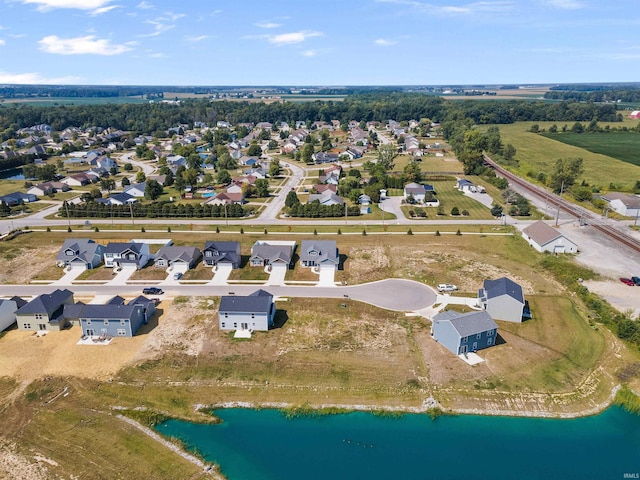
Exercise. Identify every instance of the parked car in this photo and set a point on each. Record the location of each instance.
(636, 280)
(446, 287)
(152, 291)
(627, 281)
(177, 275)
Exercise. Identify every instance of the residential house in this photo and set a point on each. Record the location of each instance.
(116, 319)
(225, 198)
(217, 253)
(624, 204)
(131, 254)
(365, 204)
(45, 312)
(323, 157)
(503, 299)
(136, 189)
(161, 179)
(177, 257)
(46, 188)
(234, 187)
(17, 198)
(417, 191)
(326, 198)
(270, 253)
(323, 187)
(461, 333)
(105, 162)
(77, 180)
(8, 309)
(81, 252)
(258, 172)
(319, 253)
(117, 199)
(251, 312)
(545, 238)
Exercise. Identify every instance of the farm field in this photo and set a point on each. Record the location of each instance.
(54, 101)
(537, 153)
(621, 145)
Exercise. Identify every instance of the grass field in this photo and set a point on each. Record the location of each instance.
(621, 145)
(537, 153)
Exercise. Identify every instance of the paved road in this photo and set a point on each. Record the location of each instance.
(270, 213)
(392, 294)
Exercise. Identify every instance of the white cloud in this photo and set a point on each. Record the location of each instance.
(291, 38)
(1, 42)
(88, 45)
(163, 24)
(100, 11)
(36, 78)
(309, 53)
(44, 5)
(564, 4)
(144, 5)
(268, 25)
(465, 9)
(383, 42)
(191, 38)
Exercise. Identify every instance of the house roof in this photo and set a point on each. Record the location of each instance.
(258, 302)
(115, 247)
(46, 303)
(272, 253)
(467, 324)
(121, 197)
(138, 186)
(541, 233)
(326, 198)
(140, 300)
(629, 201)
(174, 253)
(221, 246)
(83, 248)
(503, 286)
(326, 250)
(108, 311)
(464, 181)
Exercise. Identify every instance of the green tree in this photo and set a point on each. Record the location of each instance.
(108, 184)
(153, 190)
(194, 161)
(125, 181)
(274, 168)
(565, 173)
(386, 155)
(292, 199)
(190, 177)
(307, 153)
(254, 150)
(412, 172)
(509, 152)
(140, 177)
(262, 188)
(128, 167)
(224, 177)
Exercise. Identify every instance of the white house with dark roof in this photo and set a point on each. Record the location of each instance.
(545, 238)
(81, 252)
(136, 189)
(8, 309)
(462, 333)
(131, 254)
(503, 299)
(267, 253)
(319, 253)
(252, 312)
(417, 191)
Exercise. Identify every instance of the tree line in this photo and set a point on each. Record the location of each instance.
(152, 210)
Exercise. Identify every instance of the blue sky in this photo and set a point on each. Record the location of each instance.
(346, 42)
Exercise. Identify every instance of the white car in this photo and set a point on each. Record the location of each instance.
(446, 287)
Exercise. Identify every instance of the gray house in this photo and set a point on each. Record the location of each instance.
(545, 238)
(45, 312)
(8, 309)
(464, 332)
(215, 253)
(81, 252)
(263, 253)
(503, 299)
(318, 253)
(185, 257)
(130, 254)
(112, 319)
(253, 312)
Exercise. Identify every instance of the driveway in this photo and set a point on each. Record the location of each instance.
(278, 272)
(392, 205)
(222, 275)
(327, 276)
(71, 273)
(123, 275)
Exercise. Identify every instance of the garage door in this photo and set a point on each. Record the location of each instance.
(327, 276)
(559, 249)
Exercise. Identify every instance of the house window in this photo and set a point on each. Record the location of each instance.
(122, 332)
(161, 263)
(464, 340)
(479, 335)
(121, 322)
(489, 341)
(313, 254)
(108, 255)
(207, 253)
(27, 326)
(226, 315)
(235, 325)
(216, 253)
(106, 322)
(223, 325)
(253, 315)
(489, 333)
(88, 322)
(38, 316)
(131, 256)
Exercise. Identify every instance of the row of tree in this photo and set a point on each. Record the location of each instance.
(152, 210)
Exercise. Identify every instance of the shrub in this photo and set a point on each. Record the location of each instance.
(169, 229)
(437, 233)
(339, 232)
(241, 230)
(48, 229)
(409, 232)
(364, 233)
(455, 211)
(142, 230)
(217, 229)
(458, 232)
(465, 213)
(315, 232)
(69, 229)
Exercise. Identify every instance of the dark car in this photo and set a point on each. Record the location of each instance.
(636, 280)
(627, 281)
(152, 291)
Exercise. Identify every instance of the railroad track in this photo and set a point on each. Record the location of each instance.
(554, 200)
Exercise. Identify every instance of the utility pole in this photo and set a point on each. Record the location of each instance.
(345, 213)
(226, 219)
(637, 212)
(558, 206)
(66, 206)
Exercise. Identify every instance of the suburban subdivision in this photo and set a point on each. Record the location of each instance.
(428, 262)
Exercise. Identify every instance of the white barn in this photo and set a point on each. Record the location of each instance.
(545, 238)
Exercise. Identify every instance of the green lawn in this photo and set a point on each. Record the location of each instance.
(537, 153)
